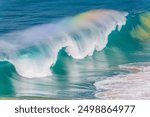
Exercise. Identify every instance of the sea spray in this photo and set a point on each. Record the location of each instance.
(35, 50)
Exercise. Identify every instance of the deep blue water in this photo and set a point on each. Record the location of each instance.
(18, 15)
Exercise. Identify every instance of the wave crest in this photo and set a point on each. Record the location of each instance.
(35, 50)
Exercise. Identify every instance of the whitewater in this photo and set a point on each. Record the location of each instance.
(35, 50)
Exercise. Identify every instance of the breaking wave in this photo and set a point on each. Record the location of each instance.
(33, 51)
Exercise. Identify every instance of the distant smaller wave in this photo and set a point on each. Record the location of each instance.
(135, 85)
(142, 31)
(35, 50)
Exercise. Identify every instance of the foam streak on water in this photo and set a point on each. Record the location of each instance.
(135, 85)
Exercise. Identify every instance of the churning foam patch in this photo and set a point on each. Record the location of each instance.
(35, 50)
(135, 85)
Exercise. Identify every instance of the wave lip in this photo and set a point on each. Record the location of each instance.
(35, 50)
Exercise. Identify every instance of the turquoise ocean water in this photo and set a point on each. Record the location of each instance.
(73, 49)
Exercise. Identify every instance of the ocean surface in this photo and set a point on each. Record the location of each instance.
(74, 49)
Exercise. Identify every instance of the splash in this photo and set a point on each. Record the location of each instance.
(35, 50)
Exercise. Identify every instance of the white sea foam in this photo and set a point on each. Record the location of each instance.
(35, 50)
(135, 85)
